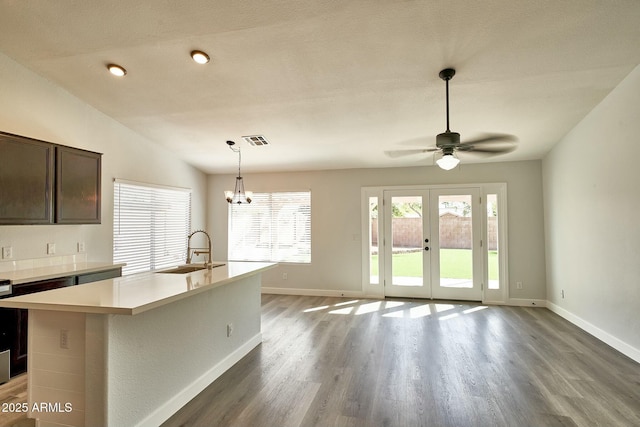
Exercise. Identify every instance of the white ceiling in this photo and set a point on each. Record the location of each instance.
(330, 83)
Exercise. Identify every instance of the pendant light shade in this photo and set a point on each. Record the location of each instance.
(238, 195)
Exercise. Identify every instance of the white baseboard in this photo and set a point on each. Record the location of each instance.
(312, 292)
(192, 390)
(603, 336)
(527, 302)
(521, 302)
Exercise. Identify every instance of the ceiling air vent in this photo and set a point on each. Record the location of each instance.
(256, 140)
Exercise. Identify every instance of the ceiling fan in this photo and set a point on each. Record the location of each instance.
(448, 143)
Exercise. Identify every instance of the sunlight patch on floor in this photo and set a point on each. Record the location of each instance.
(309, 310)
(449, 316)
(396, 309)
(346, 310)
(346, 303)
(369, 308)
(443, 307)
(471, 310)
(420, 311)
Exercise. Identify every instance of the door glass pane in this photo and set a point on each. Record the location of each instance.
(492, 241)
(373, 241)
(456, 241)
(406, 237)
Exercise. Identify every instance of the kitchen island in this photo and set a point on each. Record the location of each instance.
(133, 350)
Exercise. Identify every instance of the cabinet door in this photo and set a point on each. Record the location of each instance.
(26, 180)
(78, 186)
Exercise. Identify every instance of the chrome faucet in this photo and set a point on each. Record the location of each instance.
(199, 251)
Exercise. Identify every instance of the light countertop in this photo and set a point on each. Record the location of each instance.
(136, 293)
(17, 277)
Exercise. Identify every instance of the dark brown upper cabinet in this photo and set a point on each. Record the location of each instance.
(26, 180)
(77, 186)
(45, 183)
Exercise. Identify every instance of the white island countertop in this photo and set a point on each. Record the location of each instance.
(136, 293)
(18, 277)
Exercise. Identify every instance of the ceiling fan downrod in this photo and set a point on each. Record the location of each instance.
(446, 75)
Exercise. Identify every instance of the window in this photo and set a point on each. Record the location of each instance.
(274, 227)
(150, 226)
(492, 248)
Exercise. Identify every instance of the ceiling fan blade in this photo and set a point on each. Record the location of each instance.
(401, 153)
(486, 151)
(421, 141)
(491, 144)
(495, 137)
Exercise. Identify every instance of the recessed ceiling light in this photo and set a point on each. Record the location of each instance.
(116, 70)
(200, 57)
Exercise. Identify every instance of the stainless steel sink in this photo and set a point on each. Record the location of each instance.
(182, 269)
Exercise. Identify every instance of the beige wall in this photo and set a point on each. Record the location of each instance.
(34, 107)
(592, 206)
(336, 228)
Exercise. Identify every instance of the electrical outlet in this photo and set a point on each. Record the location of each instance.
(81, 248)
(51, 248)
(64, 338)
(284, 276)
(229, 329)
(7, 252)
(518, 285)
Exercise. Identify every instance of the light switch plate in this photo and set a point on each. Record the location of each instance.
(51, 248)
(64, 338)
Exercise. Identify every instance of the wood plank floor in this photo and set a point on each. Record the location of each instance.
(340, 362)
(12, 393)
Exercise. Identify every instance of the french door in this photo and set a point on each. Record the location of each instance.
(456, 256)
(431, 246)
(406, 245)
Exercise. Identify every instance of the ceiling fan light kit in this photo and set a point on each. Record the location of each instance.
(448, 162)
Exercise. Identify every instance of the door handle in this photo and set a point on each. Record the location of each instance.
(426, 248)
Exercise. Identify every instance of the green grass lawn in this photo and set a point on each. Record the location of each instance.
(454, 264)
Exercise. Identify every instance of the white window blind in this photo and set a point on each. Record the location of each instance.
(274, 227)
(150, 226)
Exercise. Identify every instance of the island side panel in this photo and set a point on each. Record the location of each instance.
(160, 359)
(56, 381)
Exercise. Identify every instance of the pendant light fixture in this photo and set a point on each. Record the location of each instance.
(238, 196)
